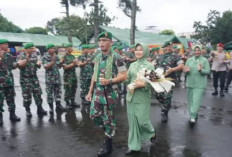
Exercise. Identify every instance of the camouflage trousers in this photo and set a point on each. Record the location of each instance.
(53, 92)
(29, 89)
(165, 99)
(70, 90)
(85, 83)
(103, 117)
(9, 94)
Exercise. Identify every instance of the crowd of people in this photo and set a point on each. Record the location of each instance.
(105, 74)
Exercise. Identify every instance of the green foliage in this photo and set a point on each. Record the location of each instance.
(103, 18)
(167, 32)
(7, 26)
(78, 27)
(217, 29)
(126, 6)
(36, 30)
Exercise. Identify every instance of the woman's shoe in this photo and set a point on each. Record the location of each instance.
(129, 152)
(153, 139)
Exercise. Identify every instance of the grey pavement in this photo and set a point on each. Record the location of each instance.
(72, 134)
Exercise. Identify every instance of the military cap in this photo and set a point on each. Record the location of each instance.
(3, 41)
(67, 45)
(28, 45)
(49, 46)
(120, 48)
(85, 46)
(105, 35)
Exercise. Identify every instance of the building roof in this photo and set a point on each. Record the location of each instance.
(38, 39)
(147, 38)
(228, 46)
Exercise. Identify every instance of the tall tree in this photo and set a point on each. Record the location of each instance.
(100, 18)
(7, 26)
(65, 3)
(36, 30)
(130, 8)
(78, 27)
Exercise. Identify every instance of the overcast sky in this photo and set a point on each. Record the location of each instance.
(178, 15)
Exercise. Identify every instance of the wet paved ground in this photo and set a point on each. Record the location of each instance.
(72, 134)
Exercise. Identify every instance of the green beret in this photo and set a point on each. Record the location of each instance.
(28, 45)
(85, 46)
(154, 49)
(3, 41)
(167, 43)
(68, 45)
(114, 47)
(49, 46)
(105, 35)
(132, 46)
(120, 48)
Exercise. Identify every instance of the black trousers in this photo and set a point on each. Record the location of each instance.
(229, 78)
(221, 75)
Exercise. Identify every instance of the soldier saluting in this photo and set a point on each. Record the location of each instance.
(28, 64)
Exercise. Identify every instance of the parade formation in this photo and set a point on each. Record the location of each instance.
(105, 73)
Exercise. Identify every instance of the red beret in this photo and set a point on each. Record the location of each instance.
(220, 45)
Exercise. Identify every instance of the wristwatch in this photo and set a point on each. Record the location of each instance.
(110, 81)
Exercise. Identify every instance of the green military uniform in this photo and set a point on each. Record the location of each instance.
(70, 79)
(85, 75)
(138, 105)
(166, 61)
(30, 83)
(52, 80)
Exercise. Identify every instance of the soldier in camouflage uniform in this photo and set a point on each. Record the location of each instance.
(130, 56)
(84, 62)
(51, 64)
(171, 63)
(70, 78)
(153, 56)
(28, 65)
(7, 81)
(109, 70)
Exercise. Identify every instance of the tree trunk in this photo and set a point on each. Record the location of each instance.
(133, 21)
(96, 20)
(68, 22)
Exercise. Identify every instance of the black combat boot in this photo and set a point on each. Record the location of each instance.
(60, 108)
(51, 108)
(68, 105)
(74, 105)
(13, 116)
(41, 111)
(106, 149)
(222, 93)
(1, 121)
(215, 92)
(164, 116)
(28, 112)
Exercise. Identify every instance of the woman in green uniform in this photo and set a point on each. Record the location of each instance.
(138, 103)
(196, 68)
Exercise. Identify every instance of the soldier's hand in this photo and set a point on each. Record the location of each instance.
(104, 81)
(186, 69)
(88, 97)
(139, 84)
(38, 62)
(54, 57)
(61, 60)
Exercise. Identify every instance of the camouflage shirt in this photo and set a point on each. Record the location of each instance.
(100, 93)
(69, 73)
(87, 70)
(52, 75)
(6, 76)
(168, 60)
(29, 71)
